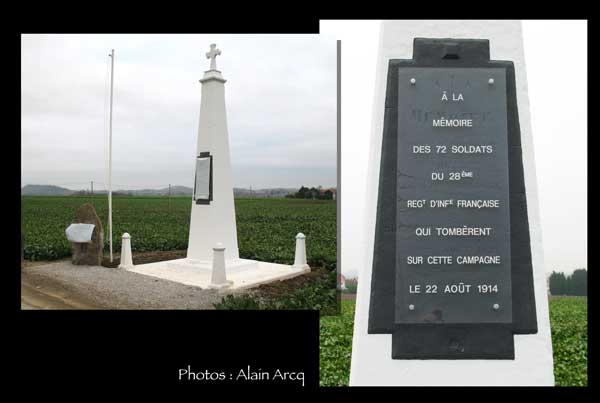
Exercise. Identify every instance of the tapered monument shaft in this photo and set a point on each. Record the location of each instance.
(213, 209)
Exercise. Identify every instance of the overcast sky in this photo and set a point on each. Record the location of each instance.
(280, 95)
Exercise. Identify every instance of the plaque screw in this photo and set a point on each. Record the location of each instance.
(411, 307)
(413, 81)
(496, 307)
(491, 81)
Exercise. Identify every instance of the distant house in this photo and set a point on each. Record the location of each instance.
(324, 193)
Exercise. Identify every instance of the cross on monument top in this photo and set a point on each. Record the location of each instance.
(212, 55)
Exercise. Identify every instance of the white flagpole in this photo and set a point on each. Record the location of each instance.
(112, 71)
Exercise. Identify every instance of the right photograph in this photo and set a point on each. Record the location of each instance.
(453, 285)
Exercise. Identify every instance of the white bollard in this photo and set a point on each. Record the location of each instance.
(219, 277)
(126, 259)
(300, 258)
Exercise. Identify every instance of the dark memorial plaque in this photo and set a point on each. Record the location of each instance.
(452, 222)
(452, 275)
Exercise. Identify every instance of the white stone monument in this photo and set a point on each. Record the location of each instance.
(372, 363)
(213, 210)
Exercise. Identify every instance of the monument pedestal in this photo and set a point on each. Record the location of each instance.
(242, 273)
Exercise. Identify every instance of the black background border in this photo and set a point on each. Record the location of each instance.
(51, 17)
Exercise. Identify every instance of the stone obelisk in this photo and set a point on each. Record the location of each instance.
(213, 260)
(213, 215)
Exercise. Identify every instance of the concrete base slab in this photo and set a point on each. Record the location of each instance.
(232, 265)
(242, 273)
(220, 286)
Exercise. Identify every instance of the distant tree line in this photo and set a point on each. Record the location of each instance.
(574, 284)
(312, 193)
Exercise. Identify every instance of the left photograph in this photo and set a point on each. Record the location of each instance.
(179, 172)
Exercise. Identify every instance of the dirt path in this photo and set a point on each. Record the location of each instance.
(61, 285)
(38, 297)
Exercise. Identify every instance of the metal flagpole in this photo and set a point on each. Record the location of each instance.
(112, 72)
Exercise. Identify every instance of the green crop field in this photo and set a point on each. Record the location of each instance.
(266, 227)
(568, 317)
(335, 346)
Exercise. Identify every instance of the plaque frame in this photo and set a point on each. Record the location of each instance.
(440, 341)
(205, 154)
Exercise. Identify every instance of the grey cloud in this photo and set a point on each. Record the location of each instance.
(280, 94)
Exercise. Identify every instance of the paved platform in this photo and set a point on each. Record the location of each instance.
(243, 273)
